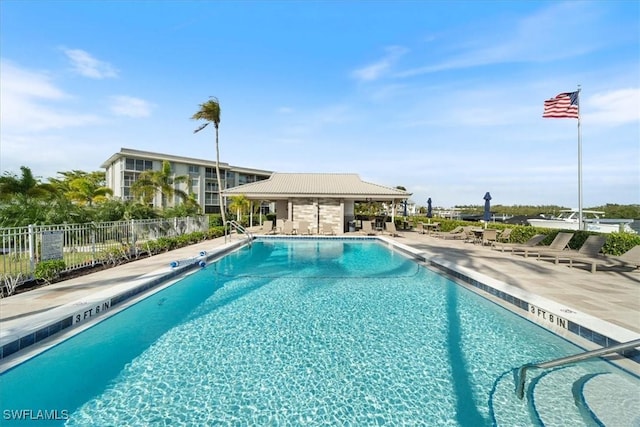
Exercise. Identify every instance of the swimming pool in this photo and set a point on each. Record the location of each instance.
(291, 332)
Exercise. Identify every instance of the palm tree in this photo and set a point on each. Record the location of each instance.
(85, 188)
(26, 185)
(150, 182)
(210, 111)
(240, 204)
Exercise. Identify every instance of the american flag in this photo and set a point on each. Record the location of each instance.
(563, 106)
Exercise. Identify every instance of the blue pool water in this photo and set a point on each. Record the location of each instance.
(292, 333)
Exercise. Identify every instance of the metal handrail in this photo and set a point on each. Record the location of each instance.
(522, 371)
(241, 229)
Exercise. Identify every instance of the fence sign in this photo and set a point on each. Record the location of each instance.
(52, 245)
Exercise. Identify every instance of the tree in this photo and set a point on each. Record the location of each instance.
(210, 111)
(240, 204)
(151, 182)
(82, 187)
(26, 185)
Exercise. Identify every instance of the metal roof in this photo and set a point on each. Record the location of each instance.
(336, 185)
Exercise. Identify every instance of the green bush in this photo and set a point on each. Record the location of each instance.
(49, 270)
(619, 243)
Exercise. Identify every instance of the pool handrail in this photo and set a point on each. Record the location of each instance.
(521, 373)
(239, 228)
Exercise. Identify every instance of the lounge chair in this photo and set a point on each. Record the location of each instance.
(367, 228)
(559, 244)
(391, 229)
(267, 227)
(327, 229)
(287, 228)
(589, 249)
(303, 227)
(532, 242)
(629, 259)
(279, 225)
(459, 232)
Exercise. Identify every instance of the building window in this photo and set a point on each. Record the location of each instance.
(211, 186)
(210, 173)
(210, 199)
(194, 170)
(138, 164)
(128, 179)
(246, 179)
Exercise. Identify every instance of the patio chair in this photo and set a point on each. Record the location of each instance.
(279, 225)
(267, 227)
(420, 228)
(391, 229)
(559, 244)
(303, 227)
(504, 236)
(459, 232)
(589, 249)
(327, 229)
(489, 237)
(367, 228)
(628, 260)
(532, 242)
(287, 228)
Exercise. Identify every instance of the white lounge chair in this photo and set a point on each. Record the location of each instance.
(267, 227)
(303, 227)
(391, 229)
(327, 229)
(287, 228)
(367, 228)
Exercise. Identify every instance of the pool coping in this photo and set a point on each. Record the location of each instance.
(56, 325)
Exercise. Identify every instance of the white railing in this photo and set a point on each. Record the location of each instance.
(82, 245)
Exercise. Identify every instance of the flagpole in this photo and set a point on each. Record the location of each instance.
(580, 222)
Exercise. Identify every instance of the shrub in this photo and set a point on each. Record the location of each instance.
(49, 270)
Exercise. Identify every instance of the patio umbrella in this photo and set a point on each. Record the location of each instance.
(429, 213)
(487, 207)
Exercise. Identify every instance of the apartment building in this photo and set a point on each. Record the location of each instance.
(124, 167)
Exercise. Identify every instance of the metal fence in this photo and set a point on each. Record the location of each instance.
(83, 245)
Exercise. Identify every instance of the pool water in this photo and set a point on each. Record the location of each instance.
(289, 333)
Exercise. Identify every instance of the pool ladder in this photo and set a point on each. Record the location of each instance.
(240, 229)
(521, 374)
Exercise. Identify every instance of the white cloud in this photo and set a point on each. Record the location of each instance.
(613, 108)
(530, 39)
(378, 69)
(128, 106)
(25, 98)
(88, 66)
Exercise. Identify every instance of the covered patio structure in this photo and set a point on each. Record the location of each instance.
(320, 199)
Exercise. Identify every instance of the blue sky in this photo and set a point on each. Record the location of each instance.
(442, 97)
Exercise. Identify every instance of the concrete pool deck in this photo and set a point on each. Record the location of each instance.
(611, 296)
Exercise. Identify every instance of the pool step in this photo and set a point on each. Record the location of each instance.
(551, 398)
(611, 399)
(572, 395)
(505, 407)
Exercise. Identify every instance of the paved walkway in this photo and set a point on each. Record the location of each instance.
(613, 296)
